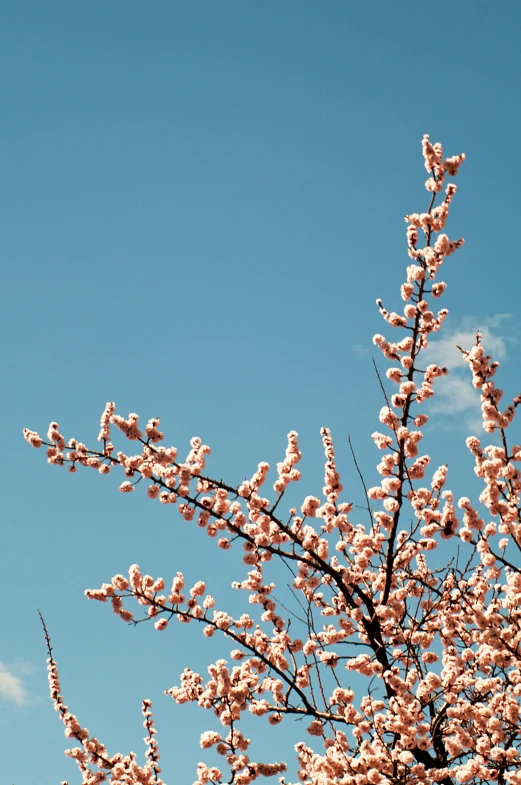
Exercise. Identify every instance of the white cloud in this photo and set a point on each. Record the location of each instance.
(455, 395)
(11, 686)
(444, 351)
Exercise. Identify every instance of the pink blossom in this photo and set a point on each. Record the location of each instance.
(126, 487)
(32, 437)
(431, 643)
(310, 506)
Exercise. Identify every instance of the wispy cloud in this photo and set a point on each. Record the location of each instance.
(455, 395)
(362, 348)
(12, 689)
(444, 351)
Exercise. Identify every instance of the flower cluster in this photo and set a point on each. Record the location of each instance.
(439, 647)
(94, 762)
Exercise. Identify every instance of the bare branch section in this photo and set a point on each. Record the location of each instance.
(438, 647)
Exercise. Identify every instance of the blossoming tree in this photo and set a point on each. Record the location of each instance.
(439, 648)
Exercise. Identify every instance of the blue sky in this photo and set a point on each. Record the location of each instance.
(201, 202)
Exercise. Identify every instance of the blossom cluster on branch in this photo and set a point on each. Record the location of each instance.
(440, 648)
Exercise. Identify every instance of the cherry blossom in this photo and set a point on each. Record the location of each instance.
(435, 648)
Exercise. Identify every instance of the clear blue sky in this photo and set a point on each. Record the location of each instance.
(200, 203)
